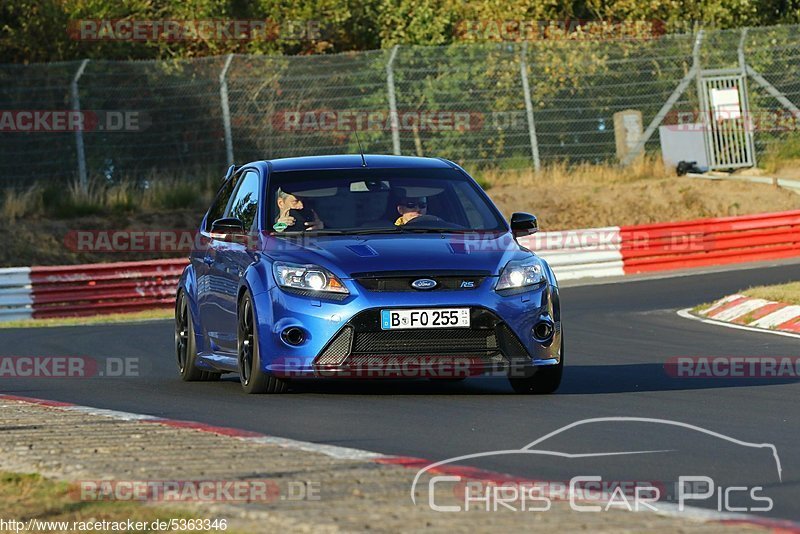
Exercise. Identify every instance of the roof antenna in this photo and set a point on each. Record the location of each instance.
(361, 150)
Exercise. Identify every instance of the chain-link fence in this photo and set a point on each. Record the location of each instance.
(492, 105)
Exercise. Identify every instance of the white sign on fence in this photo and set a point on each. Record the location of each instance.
(725, 103)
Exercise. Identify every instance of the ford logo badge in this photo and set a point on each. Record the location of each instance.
(424, 283)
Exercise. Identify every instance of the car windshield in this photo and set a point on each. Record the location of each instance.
(364, 201)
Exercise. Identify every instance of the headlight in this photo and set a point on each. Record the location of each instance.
(520, 274)
(307, 277)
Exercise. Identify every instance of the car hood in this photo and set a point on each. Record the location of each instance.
(344, 255)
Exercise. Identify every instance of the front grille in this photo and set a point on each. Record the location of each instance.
(362, 342)
(401, 280)
(383, 361)
(432, 341)
(338, 349)
(323, 295)
(510, 344)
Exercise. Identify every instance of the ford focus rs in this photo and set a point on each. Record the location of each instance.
(364, 267)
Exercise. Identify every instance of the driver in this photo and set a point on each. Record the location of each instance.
(411, 208)
(290, 209)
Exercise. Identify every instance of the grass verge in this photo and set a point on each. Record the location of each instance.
(146, 315)
(31, 497)
(789, 293)
(104, 198)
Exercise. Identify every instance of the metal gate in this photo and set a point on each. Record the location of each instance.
(728, 124)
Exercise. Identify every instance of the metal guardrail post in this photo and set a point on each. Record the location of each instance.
(694, 72)
(740, 52)
(526, 89)
(226, 110)
(748, 120)
(772, 90)
(393, 118)
(79, 147)
(702, 97)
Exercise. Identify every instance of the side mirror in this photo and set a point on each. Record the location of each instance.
(523, 224)
(227, 226)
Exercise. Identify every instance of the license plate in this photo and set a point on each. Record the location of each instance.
(425, 318)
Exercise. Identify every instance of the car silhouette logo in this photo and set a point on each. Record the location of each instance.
(424, 283)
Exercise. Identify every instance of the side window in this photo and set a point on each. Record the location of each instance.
(244, 203)
(217, 210)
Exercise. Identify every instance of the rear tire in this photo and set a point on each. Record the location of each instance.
(545, 380)
(253, 379)
(186, 345)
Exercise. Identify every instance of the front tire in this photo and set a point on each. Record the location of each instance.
(186, 345)
(253, 379)
(545, 380)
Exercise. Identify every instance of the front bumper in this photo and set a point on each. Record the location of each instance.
(344, 338)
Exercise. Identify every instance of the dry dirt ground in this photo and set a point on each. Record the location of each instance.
(584, 204)
(591, 196)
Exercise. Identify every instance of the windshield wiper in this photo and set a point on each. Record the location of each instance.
(301, 233)
(324, 232)
(428, 230)
(403, 230)
(348, 231)
(366, 231)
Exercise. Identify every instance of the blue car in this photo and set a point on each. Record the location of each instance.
(359, 266)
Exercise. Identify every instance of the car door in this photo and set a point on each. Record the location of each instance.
(232, 257)
(209, 294)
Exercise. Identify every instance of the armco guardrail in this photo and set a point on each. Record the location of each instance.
(590, 252)
(706, 242)
(620, 250)
(75, 290)
(40, 292)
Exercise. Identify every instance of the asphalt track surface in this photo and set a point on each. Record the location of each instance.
(619, 337)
